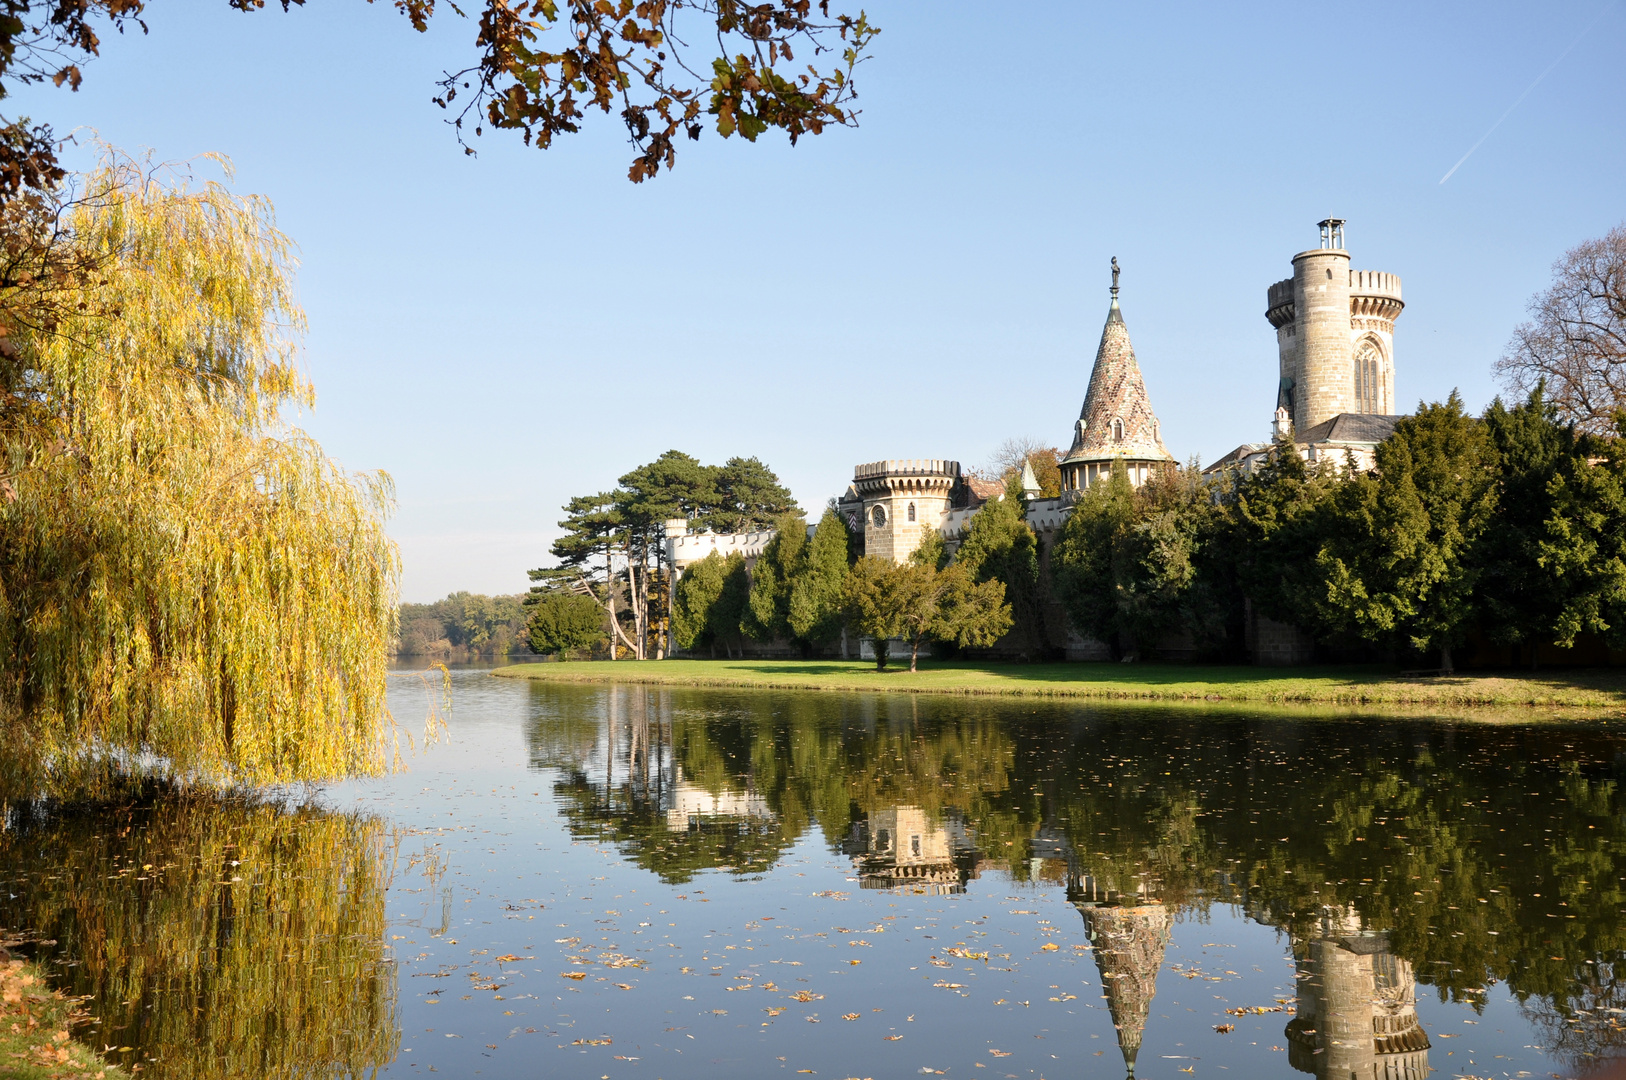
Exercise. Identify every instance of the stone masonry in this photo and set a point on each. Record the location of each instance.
(1334, 334)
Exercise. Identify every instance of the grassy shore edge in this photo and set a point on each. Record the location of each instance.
(35, 1029)
(1596, 689)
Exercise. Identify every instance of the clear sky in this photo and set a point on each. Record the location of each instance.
(505, 331)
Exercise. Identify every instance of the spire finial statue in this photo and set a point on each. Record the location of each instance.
(1115, 276)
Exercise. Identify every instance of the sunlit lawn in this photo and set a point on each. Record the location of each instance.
(1353, 684)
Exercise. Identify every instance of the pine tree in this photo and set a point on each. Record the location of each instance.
(563, 622)
(1523, 596)
(1282, 515)
(696, 593)
(815, 612)
(1584, 546)
(731, 612)
(1400, 559)
(999, 546)
(771, 577)
(1081, 561)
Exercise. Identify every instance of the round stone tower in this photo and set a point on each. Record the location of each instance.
(902, 499)
(1334, 333)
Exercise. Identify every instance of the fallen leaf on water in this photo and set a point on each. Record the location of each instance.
(623, 986)
(577, 975)
(892, 1038)
(1000, 1053)
(1049, 946)
(1224, 1029)
(508, 958)
(849, 1016)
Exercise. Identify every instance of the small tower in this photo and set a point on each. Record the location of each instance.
(1334, 334)
(902, 499)
(1030, 483)
(1117, 422)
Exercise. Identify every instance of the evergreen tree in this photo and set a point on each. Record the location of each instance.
(696, 593)
(563, 622)
(1281, 515)
(1154, 561)
(1081, 561)
(815, 612)
(873, 595)
(1584, 548)
(918, 603)
(1400, 558)
(931, 551)
(730, 612)
(768, 614)
(999, 546)
(747, 495)
(1522, 595)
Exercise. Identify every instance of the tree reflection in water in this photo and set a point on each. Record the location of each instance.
(217, 937)
(1395, 853)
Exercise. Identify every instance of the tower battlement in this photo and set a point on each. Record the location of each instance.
(1334, 334)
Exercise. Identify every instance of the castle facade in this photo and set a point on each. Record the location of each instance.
(1335, 398)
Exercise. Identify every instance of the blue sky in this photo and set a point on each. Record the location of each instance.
(506, 331)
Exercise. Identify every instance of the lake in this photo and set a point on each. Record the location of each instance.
(909, 886)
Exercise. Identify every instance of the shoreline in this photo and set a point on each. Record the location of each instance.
(36, 1028)
(1598, 689)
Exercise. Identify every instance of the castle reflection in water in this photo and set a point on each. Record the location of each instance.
(1137, 826)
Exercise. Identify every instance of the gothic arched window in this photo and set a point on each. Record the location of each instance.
(1118, 430)
(1369, 380)
(911, 511)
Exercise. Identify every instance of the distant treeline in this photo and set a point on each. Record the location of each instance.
(463, 626)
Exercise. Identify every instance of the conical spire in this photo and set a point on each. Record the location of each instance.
(1128, 944)
(1030, 483)
(1117, 422)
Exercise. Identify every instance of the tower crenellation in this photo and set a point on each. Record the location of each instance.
(1334, 334)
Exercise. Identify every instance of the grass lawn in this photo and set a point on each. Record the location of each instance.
(34, 1024)
(1350, 685)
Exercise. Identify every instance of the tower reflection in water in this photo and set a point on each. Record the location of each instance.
(901, 847)
(1357, 1005)
(1128, 932)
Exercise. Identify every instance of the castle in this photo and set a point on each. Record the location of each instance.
(1335, 399)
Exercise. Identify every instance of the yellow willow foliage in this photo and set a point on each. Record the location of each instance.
(186, 583)
(222, 938)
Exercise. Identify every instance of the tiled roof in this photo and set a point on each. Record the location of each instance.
(1117, 393)
(1349, 428)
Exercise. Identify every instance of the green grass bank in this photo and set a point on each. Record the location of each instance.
(1597, 688)
(35, 1030)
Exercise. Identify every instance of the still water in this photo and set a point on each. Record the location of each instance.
(640, 883)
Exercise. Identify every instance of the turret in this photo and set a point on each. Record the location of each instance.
(1334, 334)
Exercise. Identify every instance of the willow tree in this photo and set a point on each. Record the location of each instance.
(186, 581)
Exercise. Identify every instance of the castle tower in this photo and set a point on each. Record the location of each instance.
(1334, 334)
(1117, 422)
(902, 499)
(1357, 1005)
(1129, 940)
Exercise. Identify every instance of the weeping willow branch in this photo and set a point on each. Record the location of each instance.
(186, 581)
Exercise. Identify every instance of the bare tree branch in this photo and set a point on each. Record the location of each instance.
(1575, 340)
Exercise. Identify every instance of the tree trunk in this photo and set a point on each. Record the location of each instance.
(880, 654)
(1445, 660)
(914, 654)
(844, 643)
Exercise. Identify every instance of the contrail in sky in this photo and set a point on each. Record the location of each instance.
(1606, 9)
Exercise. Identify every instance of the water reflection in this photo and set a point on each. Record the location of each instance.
(1393, 853)
(214, 938)
(1357, 1005)
(901, 847)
